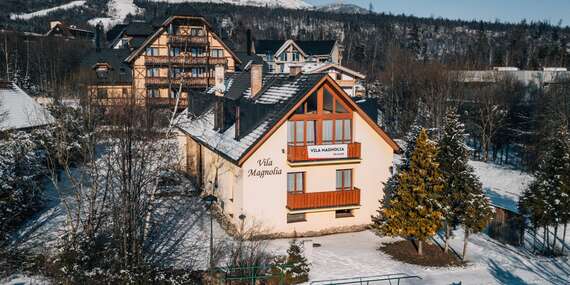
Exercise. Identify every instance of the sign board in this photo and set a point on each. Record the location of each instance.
(327, 151)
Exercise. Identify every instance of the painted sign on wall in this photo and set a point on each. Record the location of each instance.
(327, 151)
(265, 167)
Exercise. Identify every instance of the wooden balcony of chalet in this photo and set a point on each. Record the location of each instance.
(186, 81)
(184, 60)
(301, 153)
(187, 40)
(329, 199)
(167, 102)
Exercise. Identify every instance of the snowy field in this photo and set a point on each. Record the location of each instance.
(45, 12)
(186, 233)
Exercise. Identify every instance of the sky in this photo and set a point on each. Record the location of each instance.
(504, 10)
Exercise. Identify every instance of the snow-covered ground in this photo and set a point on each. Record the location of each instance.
(489, 262)
(117, 11)
(44, 12)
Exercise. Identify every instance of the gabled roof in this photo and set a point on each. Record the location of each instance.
(327, 66)
(120, 72)
(162, 28)
(308, 47)
(286, 45)
(19, 111)
(279, 97)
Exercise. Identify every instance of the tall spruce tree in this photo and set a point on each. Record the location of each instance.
(453, 157)
(546, 199)
(414, 211)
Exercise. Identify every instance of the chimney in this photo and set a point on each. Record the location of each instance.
(256, 78)
(98, 36)
(295, 70)
(219, 74)
(248, 43)
(52, 24)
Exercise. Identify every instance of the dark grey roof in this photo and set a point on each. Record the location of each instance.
(246, 58)
(309, 47)
(257, 114)
(139, 29)
(136, 42)
(114, 32)
(264, 46)
(120, 71)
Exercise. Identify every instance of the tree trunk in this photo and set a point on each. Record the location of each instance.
(465, 241)
(446, 248)
(564, 237)
(420, 248)
(554, 238)
(545, 240)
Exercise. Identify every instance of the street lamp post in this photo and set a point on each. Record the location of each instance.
(210, 200)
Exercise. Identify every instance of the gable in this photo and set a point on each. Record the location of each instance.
(328, 84)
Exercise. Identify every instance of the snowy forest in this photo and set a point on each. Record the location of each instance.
(127, 209)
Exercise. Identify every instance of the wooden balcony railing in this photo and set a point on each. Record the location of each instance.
(184, 60)
(182, 40)
(330, 199)
(182, 103)
(301, 153)
(185, 80)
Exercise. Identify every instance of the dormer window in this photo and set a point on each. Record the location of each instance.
(197, 32)
(102, 70)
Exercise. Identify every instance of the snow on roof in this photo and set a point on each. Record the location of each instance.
(19, 110)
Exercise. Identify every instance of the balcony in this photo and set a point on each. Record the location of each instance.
(316, 200)
(187, 40)
(184, 80)
(167, 102)
(184, 60)
(306, 153)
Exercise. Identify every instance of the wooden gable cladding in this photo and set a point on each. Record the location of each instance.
(326, 83)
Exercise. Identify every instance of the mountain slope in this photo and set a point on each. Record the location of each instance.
(290, 4)
(342, 8)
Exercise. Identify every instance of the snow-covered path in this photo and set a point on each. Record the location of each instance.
(357, 254)
(44, 12)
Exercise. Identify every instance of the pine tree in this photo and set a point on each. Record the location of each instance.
(546, 199)
(453, 157)
(414, 211)
(299, 270)
(475, 209)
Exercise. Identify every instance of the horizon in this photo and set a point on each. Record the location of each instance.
(505, 11)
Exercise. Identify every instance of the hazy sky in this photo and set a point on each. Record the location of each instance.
(504, 10)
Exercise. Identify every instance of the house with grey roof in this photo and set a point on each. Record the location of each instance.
(19, 111)
(291, 153)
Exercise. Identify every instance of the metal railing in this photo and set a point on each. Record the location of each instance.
(389, 278)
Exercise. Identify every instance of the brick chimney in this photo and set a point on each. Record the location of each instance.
(256, 78)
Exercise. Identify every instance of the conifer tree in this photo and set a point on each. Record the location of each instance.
(546, 199)
(414, 211)
(453, 157)
(475, 211)
(299, 270)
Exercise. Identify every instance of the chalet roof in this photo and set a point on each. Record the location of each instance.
(19, 111)
(120, 72)
(138, 28)
(309, 47)
(247, 58)
(323, 67)
(279, 94)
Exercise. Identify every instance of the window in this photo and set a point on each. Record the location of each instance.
(196, 32)
(296, 182)
(342, 131)
(152, 51)
(269, 56)
(344, 180)
(174, 51)
(217, 53)
(295, 218)
(283, 56)
(153, 72)
(153, 93)
(197, 51)
(198, 71)
(270, 67)
(101, 93)
(296, 56)
(338, 76)
(343, 214)
(176, 72)
(301, 133)
(173, 94)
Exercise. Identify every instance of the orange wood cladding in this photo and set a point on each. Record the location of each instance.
(184, 60)
(314, 200)
(300, 153)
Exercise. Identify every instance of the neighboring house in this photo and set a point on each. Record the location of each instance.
(152, 67)
(59, 29)
(19, 111)
(351, 81)
(541, 78)
(280, 55)
(291, 153)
